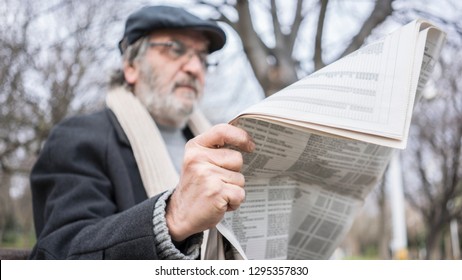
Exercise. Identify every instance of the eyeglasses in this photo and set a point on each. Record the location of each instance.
(177, 50)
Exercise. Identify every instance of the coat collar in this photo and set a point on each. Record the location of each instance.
(121, 136)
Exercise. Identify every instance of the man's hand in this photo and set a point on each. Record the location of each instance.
(210, 182)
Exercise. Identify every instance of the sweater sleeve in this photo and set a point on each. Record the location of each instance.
(165, 247)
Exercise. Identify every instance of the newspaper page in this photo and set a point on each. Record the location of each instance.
(302, 191)
(324, 142)
(366, 94)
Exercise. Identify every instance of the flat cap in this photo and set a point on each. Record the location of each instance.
(151, 18)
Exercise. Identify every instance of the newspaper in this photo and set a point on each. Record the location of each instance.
(323, 143)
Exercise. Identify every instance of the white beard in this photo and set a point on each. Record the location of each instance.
(163, 104)
(167, 110)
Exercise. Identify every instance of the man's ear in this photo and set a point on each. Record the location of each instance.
(131, 73)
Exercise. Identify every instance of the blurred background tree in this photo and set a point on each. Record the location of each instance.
(55, 58)
(50, 58)
(434, 162)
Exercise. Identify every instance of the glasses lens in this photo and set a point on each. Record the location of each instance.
(177, 50)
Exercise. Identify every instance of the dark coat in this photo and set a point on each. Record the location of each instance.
(88, 198)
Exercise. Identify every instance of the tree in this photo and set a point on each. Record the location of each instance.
(434, 187)
(274, 63)
(48, 71)
(13, 65)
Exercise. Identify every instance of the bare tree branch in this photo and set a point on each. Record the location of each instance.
(381, 11)
(297, 22)
(318, 61)
(279, 37)
(255, 49)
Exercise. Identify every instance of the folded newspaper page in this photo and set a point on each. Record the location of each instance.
(323, 143)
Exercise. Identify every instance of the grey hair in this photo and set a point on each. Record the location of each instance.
(132, 53)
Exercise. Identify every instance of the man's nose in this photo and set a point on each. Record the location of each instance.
(194, 66)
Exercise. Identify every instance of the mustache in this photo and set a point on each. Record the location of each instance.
(188, 82)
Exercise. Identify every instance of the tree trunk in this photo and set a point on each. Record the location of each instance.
(432, 243)
(384, 238)
(5, 201)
